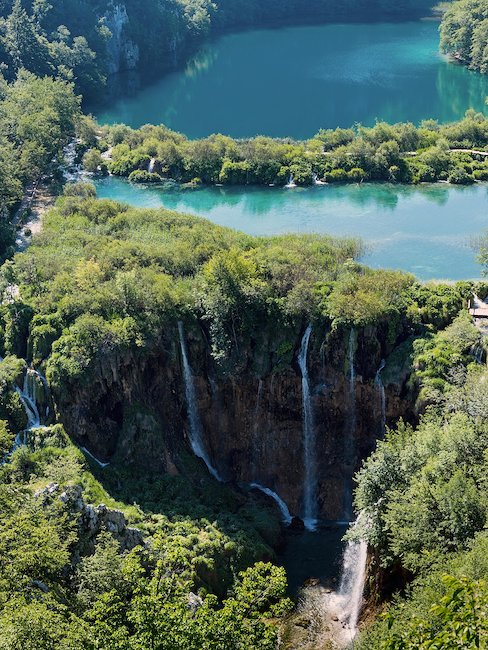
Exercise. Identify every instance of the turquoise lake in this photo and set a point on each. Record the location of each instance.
(293, 81)
(427, 230)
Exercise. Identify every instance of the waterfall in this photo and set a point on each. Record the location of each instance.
(315, 179)
(291, 182)
(196, 437)
(28, 397)
(310, 479)
(352, 583)
(98, 462)
(380, 389)
(478, 351)
(350, 432)
(150, 167)
(256, 447)
(345, 605)
(285, 513)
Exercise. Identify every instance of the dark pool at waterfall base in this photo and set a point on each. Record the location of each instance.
(294, 81)
(315, 555)
(427, 230)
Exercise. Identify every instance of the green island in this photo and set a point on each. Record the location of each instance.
(212, 440)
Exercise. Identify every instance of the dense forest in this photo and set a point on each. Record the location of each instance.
(401, 153)
(464, 33)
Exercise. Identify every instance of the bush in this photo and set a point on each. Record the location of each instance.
(460, 177)
(336, 176)
(356, 175)
(481, 174)
(141, 176)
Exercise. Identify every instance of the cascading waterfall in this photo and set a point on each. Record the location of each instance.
(315, 179)
(310, 477)
(196, 437)
(285, 513)
(350, 432)
(380, 390)
(29, 397)
(478, 351)
(150, 167)
(291, 182)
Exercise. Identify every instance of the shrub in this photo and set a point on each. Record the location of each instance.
(460, 176)
(141, 176)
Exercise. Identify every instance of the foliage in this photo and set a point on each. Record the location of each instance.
(464, 33)
(398, 153)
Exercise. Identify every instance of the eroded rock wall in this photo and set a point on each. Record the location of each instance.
(133, 411)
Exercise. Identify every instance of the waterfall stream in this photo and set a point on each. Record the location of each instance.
(380, 390)
(352, 584)
(196, 436)
(310, 474)
(478, 351)
(30, 401)
(350, 428)
(285, 513)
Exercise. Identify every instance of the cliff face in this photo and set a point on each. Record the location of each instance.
(134, 411)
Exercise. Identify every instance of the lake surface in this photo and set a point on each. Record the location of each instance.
(293, 81)
(426, 230)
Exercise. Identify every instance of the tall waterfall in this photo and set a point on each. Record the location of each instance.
(352, 584)
(380, 390)
(310, 475)
(350, 430)
(256, 446)
(285, 513)
(196, 437)
(150, 167)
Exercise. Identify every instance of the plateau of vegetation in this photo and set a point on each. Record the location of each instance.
(401, 153)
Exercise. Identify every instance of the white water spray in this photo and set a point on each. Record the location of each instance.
(150, 167)
(29, 398)
(291, 182)
(310, 478)
(285, 513)
(196, 437)
(380, 390)
(352, 584)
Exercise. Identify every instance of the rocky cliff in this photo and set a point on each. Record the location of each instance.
(134, 410)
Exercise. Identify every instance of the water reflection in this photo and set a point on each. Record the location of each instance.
(293, 81)
(425, 229)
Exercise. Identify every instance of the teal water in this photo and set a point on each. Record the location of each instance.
(293, 81)
(426, 230)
